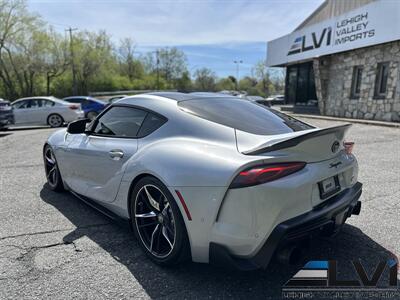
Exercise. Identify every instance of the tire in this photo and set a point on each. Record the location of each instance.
(164, 239)
(55, 120)
(91, 115)
(54, 180)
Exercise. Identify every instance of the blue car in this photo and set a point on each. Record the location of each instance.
(91, 106)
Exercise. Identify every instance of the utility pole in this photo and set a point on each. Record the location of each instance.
(74, 86)
(158, 70)
(237, 62)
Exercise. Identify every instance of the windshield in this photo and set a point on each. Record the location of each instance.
(243, 115)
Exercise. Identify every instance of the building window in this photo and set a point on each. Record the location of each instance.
(356, 82)
(382, 73)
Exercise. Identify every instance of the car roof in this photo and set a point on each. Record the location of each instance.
(165, 100)
(177, 96)
(119, 96)
(171, 95)
(51, 98)
(255, 97)
(79, 97)
(165, 103)
(84, 97)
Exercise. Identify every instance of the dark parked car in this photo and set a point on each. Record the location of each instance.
(6, 114)
(91, 106)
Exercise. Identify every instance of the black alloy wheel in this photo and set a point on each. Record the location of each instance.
(53, 175)
(158, 223)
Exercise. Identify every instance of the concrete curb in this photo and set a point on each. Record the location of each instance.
(359, 121)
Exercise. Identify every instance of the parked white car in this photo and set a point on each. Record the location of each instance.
(45, 111)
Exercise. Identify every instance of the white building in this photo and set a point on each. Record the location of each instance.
(344, 60)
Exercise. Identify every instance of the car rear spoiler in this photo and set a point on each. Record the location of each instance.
(294, 141)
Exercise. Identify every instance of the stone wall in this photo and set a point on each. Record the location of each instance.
(333, 77)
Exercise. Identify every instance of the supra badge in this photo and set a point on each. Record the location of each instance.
(335, 146)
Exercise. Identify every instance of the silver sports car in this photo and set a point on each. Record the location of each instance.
(210, 177)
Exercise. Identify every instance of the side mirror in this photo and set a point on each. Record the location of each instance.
(78, 126)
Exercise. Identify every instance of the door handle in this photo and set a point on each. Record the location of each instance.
(116, 154)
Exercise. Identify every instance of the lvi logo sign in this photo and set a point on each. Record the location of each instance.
(300, 43)
(323, 274)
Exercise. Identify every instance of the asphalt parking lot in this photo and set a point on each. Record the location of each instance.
(54, 246)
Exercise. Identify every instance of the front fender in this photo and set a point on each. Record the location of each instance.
(58, 138)
(59, 142)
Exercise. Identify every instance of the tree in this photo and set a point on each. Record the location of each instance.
(18, 39)
(248, 84)
(94, 57)
(172, 62)
(228, 84)
(34, 60)
(271, 80)
(184, 83)
(167, 63)
(260, 71)
(56, 57)
(130, 66)
(278, 79)
(205, 79)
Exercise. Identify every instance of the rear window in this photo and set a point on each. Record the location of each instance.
(243, 115)
(150, 124)
(73, 100)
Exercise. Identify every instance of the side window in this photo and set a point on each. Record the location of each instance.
(150, 124)
(47, 103)
(121, 122)
(74, 100)
(36, 103)
(356, 82)
(86, 102)
(21, 104)
(382, 73)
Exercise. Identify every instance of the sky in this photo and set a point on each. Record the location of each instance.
(213, 34)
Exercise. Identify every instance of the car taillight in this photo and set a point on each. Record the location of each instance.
(74, 106)
(266, 173)
(348, 147)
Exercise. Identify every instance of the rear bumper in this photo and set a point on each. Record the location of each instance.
(330, 214)
(73, 115)
(6, 119)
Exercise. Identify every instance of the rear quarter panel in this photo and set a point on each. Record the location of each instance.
(197, 160)
(65, 112)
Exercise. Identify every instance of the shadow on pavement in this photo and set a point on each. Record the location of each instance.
(18, 128)
(192, 280)
(4, 134)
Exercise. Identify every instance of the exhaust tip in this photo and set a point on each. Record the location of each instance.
(357, 209)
